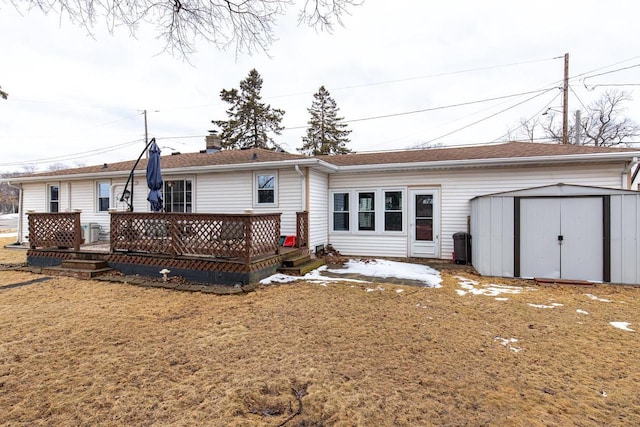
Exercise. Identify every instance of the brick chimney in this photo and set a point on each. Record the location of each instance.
(213, 141)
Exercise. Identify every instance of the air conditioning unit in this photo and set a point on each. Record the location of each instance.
(91, 232)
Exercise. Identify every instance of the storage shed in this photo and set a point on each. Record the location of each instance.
(558, 231)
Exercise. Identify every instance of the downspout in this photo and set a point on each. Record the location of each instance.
(303, 201)
(19, 230)
(625, 179)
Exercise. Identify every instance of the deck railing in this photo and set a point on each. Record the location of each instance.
(59, 230)
(238, 236)
(302, 229)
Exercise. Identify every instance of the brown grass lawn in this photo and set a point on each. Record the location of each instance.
(76, 352)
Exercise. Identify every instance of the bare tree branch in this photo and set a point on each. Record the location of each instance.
(604, 124)
(245, 25)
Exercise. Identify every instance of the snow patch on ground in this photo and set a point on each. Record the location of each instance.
(553, 305)
(473, 287)
(370, 268)
(595, 298)
(622, 325)
(507, 343)
(581, 311)
(385, 269)
(314, 276)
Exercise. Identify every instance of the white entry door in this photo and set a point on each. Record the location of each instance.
(562, 238)
(424, 223)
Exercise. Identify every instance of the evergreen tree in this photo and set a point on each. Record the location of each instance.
(326, 133)
(250, 120)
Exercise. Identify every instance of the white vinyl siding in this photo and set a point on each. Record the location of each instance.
(318, 209)
(229, 192)
(232, 192)
(458, 187)
(74, 195)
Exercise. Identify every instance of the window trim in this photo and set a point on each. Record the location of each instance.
(374, 226)
(256, 177)
(402, 210)
(97, 198)
(49, 200)
(379, 210)
(193, 193)
(334, 211)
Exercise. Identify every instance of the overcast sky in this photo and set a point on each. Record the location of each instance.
(77, 100)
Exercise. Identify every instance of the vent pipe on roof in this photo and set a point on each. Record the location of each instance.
(213, 141)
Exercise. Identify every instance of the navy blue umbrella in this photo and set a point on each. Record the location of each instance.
(154, 178)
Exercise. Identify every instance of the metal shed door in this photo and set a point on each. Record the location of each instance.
(562, 238)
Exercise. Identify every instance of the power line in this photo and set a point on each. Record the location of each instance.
(484, 118)
(607, 72)
(73, 156)
(428, 76)
(529, 119)
(578, 98)
(442, 107)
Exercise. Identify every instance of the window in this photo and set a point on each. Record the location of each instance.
(178, 196)
(54, 198)
(424, 217)
(366, 211)
(341, 211)
(104, 189)
(266, 189)
(393, 211)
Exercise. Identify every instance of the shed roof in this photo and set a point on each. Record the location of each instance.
(560, 190)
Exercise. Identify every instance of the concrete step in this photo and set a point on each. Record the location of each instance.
(302, 269)
(78, 273)
(84, 264)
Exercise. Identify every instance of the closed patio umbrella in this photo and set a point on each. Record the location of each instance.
(154, 178)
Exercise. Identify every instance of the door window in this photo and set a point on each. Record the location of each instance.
(424, 217)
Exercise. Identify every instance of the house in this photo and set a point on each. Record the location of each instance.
(405, 203)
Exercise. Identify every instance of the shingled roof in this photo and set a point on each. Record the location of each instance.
(510, 150)
(185, 160)
(498, 151)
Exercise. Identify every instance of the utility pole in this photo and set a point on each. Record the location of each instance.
(146, 132)
(565, 101)
(578, 128)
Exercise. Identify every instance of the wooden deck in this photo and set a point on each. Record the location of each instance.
(203, 248)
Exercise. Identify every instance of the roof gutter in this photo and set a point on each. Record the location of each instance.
(71, 177)
(626, 181)
(258, 165)
(328, 167)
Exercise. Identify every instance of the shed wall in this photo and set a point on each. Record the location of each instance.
(492, 228)
(625, 238)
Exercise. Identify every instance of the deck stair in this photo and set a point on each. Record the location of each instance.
(299, 264)
(79, 268)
